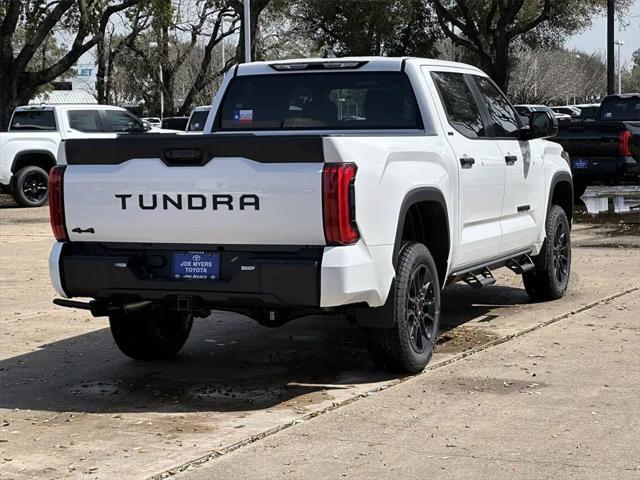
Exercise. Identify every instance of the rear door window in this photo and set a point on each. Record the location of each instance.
(503, 118)
(85, 120)
(460, 105)
(123, 121)
(35, 120)
(336, 101)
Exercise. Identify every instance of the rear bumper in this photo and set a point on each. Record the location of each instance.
(268, 276)
(605, 169)
(250, 276)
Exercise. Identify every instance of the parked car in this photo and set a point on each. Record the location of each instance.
(605, 150)
(278, 212)
(526, 111)
(29, 149)
(588, 111)
(198, 118)
(153, 121)
(175, 123)
(571, 110)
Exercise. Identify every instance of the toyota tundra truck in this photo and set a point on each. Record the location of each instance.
(356, 187)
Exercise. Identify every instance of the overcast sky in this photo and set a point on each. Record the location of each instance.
(594, 39)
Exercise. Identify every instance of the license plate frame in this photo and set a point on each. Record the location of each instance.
(196, 265)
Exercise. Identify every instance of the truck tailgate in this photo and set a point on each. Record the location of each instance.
(592, 139)
(213, 189)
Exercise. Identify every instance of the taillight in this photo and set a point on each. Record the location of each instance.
(338, 203)
(625, 147)
(56, 203)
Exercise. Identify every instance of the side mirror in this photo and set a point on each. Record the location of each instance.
(146, 126)
(542, 125)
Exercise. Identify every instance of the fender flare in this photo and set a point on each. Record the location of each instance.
(383, 317)
(557, 178)
(418, 195)
(22, 153)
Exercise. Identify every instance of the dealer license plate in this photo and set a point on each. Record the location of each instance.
(196, 265)
(580, 163)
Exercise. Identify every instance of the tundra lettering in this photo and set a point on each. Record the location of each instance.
(195, 201)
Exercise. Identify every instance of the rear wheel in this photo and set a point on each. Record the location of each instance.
(31, 187)
(151, 334)
(550, 279)
(408, 346)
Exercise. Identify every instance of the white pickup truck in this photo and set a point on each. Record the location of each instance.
(30, 148)
(357, 187)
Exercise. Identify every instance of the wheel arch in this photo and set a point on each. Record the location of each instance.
(39, 158)
(425, 206)
(561, 193)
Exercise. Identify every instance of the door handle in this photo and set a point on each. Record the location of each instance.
(467, 161)
(511, 159)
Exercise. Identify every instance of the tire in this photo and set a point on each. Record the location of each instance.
(31, 187)
(151, 334)
(550, 279)
(409, 345)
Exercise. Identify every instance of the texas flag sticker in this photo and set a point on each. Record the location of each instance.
(243, 117)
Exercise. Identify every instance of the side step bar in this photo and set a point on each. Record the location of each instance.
(520, 265)
(479, 278)
(482, 276)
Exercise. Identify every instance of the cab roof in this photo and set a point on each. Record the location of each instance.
(389, 64)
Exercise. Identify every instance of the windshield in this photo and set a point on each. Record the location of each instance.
(338, 101)
(33, 120)
(197, 121)
(620, 109)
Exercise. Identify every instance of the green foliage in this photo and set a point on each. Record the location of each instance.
(379, 27)
(631, 80)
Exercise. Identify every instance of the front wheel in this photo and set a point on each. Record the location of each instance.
(31, 187)
(409, 344)
(150, 334)
(550, 279)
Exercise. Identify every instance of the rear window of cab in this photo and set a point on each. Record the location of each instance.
(33, 120)
(320, 101)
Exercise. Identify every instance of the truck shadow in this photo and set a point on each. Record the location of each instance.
(229, 364)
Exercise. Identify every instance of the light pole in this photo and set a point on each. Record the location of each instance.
(247, 30)
(155, 45)
(619, 44)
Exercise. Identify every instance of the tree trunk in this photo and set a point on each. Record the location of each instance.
(500, 68)
(101, 73)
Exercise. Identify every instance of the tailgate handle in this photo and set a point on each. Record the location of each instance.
(183, 156)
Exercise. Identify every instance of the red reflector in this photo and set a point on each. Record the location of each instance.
(625, 147)
(338, 203)
(56, 204)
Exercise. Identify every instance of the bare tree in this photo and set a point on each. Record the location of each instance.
(86, 18)
(557, 76)
(188, 32)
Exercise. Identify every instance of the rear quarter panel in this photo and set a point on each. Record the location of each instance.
(388, 168)
(13, 144)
